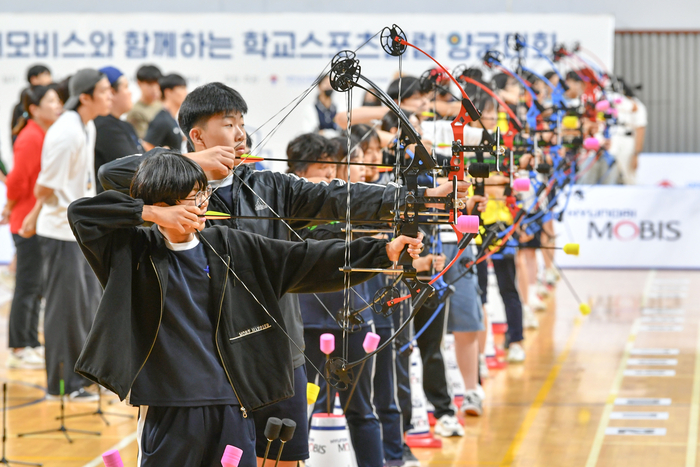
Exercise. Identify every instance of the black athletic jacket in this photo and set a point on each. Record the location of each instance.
(286, 194)
(131, 263)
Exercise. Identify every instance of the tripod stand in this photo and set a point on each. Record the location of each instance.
(62, 417)
(99, 410)
(5, 460)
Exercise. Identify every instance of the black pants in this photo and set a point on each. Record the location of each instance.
(403, 364)
(386, 399)
(72, 295)
(434, 376)
(505, 276)
(193, 436)
(363, 422)
(26, 302)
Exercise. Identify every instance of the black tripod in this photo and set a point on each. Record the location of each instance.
(62, 418)
(5, 460)
(99, 410)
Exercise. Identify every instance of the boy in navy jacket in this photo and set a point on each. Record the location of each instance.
(189, 327)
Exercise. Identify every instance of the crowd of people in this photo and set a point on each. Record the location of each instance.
(212, 325)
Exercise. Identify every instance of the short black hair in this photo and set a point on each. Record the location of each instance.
(166, 177)
(207, 101)
(36, 70)
(573, 76)
(391, 120)
(149, 74)
(500, 80)
(341, 147)
(364, 134)
(310, 147)
(410, 85)
(171, 81)
(550, 74)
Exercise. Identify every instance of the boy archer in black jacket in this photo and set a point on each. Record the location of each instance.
(189, 326)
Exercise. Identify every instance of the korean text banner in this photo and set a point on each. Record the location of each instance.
(631, 227)
(271, 58)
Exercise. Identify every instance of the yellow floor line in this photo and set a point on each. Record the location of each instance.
(609, 404)
(692, 449)
(540, 398)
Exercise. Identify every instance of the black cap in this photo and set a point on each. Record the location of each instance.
(573, 76)
(272, 429)
(288, 427)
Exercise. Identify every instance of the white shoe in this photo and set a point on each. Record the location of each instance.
(551, 276)
(81, 395)
(516, 353)
(447, 426)
(473, 404)
(534, 300)
(480, 391)
(542, 290)
(483, 367)
(25, 359)
(529, 319)
(40, 351)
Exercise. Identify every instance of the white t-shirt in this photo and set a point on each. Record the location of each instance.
(440, 132)
(67, 167)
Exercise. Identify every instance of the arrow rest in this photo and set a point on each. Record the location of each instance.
(351, 323)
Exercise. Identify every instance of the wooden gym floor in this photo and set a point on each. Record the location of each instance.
(620, 387)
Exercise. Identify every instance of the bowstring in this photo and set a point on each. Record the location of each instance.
(348, 234)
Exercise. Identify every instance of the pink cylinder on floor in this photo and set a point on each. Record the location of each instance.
(232, 456)
(521, 184)
(602, 106)
(371, 342)
(468, 224)
(592, 144)
(112, 459)
(327, 343)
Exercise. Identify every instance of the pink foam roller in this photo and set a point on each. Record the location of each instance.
(232, 456)
(602, 106)
(521, 184)
(371, 342)
(592, 144)
(113, 459)
(468, 224)
(327, 343)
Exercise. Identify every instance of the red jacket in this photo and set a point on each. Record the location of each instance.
(20, 182)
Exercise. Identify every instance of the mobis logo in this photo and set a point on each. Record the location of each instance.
(627, 230)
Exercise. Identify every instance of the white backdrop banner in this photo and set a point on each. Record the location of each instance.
(269, 58)
(670, 170)
(7, 246)
(631, 227)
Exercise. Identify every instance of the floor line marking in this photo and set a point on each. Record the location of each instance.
(97, 461)
(692, 448)
(614, 390)
(532, 412)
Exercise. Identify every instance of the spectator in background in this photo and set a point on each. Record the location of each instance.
(307, 155)
(115, 138)
(164, 131)
(149, 104)
(68, 173)
(37, 75)
(43, 107)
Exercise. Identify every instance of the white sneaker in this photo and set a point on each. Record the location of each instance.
(447, 426)
(473, 404)
(542, 290)
(483, 367)
(40, 351)
(480, 391)
(81, 395)
(551, 276)
(529, 319)
(534, 300)
(516, 353)
(25, 359)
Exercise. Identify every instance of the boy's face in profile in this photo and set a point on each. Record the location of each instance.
(198, 199)
(226, 129)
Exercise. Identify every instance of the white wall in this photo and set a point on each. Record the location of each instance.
(629, 14)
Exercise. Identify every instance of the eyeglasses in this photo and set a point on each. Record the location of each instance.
(201, 196)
